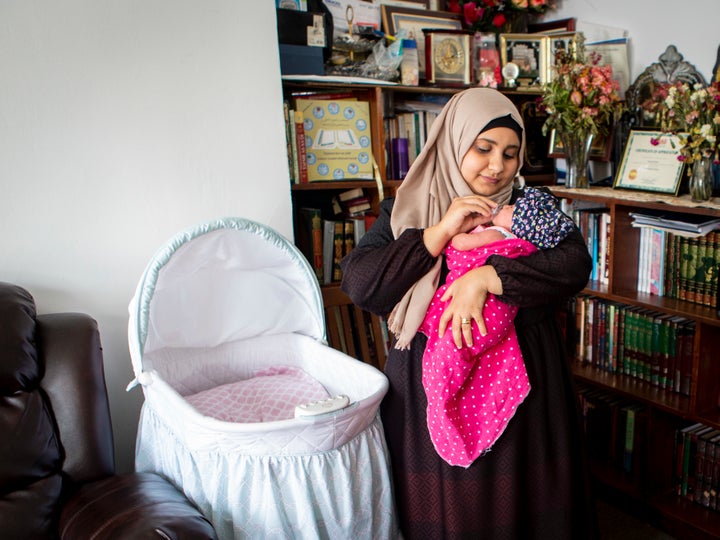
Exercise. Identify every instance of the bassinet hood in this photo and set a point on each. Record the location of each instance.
(222, 281)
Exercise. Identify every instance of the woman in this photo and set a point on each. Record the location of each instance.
(533, 484)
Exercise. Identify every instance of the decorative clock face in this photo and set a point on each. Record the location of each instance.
(449, 56)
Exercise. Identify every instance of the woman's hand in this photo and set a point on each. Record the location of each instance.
(464, 214)
(467, 296)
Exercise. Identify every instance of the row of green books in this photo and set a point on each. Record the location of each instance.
(691, 268)
(650, 346)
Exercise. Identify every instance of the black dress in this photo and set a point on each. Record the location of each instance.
(534, 482)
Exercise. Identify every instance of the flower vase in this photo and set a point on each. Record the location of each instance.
(576, 147)
(701, 180)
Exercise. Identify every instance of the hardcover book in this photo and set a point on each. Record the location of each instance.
(339, 142)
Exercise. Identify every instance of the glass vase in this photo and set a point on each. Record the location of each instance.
(701, 180)
(576, 146)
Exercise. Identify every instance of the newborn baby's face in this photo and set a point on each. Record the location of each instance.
(504, 217)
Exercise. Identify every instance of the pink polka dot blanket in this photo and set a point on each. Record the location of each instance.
(473, 392)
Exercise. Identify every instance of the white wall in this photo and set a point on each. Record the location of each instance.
(690, 25)
(121, 123)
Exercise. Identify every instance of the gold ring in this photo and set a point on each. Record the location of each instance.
(465, 321)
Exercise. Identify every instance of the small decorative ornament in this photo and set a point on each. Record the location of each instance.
(448, 56)
(510, 72)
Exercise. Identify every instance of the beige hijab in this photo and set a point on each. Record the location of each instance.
(434, 180)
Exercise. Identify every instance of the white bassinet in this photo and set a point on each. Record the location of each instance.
(219, 304)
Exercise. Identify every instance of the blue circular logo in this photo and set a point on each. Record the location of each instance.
(338, 174)
(323, 169)
(363, 157)
(349, 113)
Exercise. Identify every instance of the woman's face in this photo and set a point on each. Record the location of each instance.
(492, 161)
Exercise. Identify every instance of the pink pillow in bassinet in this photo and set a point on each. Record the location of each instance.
(271, 394)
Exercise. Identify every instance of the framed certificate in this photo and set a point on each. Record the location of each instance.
(650, 163)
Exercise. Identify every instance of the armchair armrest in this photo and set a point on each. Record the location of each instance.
(132, 506)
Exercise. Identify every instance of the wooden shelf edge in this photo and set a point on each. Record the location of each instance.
(680, 203)
(633, 388)
(684, 518)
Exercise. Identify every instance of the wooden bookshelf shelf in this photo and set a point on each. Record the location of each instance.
(665, 411)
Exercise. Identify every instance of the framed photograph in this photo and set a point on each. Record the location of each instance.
(565, 42)
(529, 53)
(650, 163)
(413, 21)
(600, 150)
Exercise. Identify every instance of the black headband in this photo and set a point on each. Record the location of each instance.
(506, 122)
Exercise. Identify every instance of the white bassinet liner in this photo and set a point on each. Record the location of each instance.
(345, 493)
(338, 373)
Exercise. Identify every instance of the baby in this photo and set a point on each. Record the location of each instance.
(473, 392)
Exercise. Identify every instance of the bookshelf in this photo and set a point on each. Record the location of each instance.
(656, 482)
(386, 104)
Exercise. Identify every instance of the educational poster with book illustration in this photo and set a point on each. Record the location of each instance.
(338, 140)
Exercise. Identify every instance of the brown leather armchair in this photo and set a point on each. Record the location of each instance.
(57, 472)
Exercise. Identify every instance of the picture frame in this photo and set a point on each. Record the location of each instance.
(650, 163)
(418, 4)
(529, 53)
(413, 21)
(565, 41)
(600, 150)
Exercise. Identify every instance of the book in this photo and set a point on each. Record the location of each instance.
(632, 414)
(686, 258)
(294, 148)
(301, 148)
(712, 476)
(348, 236)
(328, 244)
(703, 467)
(288, 142)
(657, 261)
(338, 244)
(358, 206)
(686, 334)
(339, 139)
(310, 239)
(351, 194)
(680, 455)
(703, 269)
(359, 228)
(694, 224)
(714, 274)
